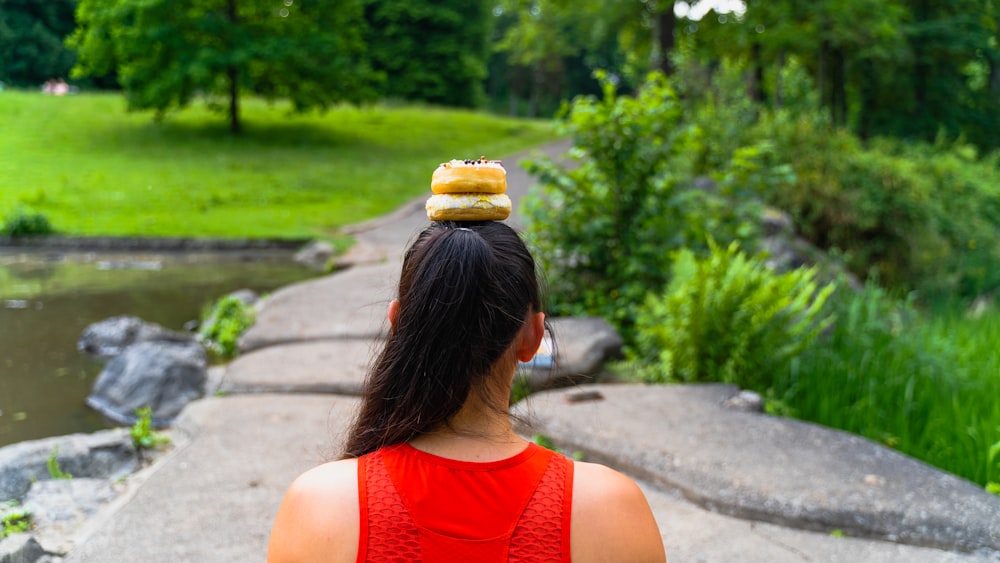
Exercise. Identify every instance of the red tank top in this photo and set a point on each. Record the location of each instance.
(418, 507)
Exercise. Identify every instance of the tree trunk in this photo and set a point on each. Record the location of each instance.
(778, 100)
(824, 99)
(994, 74)
(757, 93)
(235, 126)
(666, 21)
(233, 74)
(869, 102)
(838, 87)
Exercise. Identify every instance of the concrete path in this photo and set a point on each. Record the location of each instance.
(724, 484)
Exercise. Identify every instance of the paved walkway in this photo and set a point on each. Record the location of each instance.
(725, 484)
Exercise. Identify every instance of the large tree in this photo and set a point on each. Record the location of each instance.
(167, 52)
(31, 40)
(431, 50)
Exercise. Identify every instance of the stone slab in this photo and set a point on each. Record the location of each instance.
(760, 467)
(215, 498)
(348, 304)
(692, 534)
(324, 366)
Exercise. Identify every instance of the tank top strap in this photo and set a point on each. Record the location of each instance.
(387, 531)
(543, 530)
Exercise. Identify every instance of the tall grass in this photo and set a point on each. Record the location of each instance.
(93, 169)
(923, 384)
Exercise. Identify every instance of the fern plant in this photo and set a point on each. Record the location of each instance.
(729, 318)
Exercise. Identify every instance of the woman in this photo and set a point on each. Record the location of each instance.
(432, 469)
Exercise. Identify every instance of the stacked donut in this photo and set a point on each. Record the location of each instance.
(469, 190)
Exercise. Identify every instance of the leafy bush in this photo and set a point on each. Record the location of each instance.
(920, 217)
(729, 318)
(603, 227)
(223, 323)
(23, 222)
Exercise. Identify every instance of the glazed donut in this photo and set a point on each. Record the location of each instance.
(469, 176)
(468, 207)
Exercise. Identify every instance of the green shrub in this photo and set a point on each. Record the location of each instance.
(921, 217)
(223, 323)
(23, 222)
(729, 318)
(603, 227)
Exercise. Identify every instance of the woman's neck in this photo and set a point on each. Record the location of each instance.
(477, 432)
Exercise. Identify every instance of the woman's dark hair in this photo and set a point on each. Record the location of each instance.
(465, 291)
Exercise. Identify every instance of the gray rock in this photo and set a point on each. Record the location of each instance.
(746, 401)
(60, 507)
(246, 296)
(767, 468)
(785, 251)
(582, 346)
(164, 376)
(108, 454)
(324, 366)
(110, 337)
(316, 254)
(20, 548)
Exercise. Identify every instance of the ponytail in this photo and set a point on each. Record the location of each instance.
(464, 293)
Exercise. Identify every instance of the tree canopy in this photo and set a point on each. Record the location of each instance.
(167, 52)
(431, 50)
(31, 40)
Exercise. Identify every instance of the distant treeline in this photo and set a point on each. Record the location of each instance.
(911, 69)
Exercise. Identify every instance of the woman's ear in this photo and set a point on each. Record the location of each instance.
(393, 313)
(531, 337)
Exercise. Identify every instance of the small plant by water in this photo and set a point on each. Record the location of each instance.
(143, 435)
(23, 222)
(223, 323)
(55, 471)
(13, 520)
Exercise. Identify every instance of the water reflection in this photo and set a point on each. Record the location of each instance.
(45, 305)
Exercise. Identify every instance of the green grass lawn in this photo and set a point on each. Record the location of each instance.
(94, 169)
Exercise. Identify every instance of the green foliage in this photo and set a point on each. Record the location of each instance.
(920, 217)
(520, 388)
(31, 41)
(603, 229)
(13, 521)
(434, 51)
(924, 385)
(24, 222)
(729, 318)
(223, 323)
(289, 176)
(55, 471)
(168, 52)
(142, 432)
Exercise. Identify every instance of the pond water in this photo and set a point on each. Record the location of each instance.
(46, 302)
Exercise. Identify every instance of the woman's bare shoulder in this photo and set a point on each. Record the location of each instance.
(319, 516)
(611, 519)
